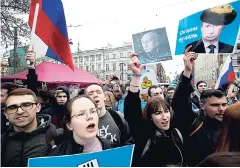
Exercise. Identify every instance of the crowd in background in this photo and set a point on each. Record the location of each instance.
(167, 131)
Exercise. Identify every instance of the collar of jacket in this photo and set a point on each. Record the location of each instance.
(43, 121)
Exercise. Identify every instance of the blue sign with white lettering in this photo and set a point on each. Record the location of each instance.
(212, 30)
(117, 157)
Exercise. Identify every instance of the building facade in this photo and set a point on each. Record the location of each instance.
(105, 62)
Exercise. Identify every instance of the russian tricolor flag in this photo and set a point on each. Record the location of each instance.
(49, 30)
(226, 74)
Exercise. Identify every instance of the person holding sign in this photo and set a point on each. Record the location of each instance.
(82, 119)
(157, 142)
(200, 129)
(213, 22)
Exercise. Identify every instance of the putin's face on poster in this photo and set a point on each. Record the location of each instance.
(149, 42)
(210, 32)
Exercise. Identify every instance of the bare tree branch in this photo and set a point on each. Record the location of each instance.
(11, 16)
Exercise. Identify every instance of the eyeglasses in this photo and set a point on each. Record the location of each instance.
(83, 114)
(24, 106)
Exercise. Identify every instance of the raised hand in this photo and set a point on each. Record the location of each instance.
(31, 56)
(135, 64)
(189, 61)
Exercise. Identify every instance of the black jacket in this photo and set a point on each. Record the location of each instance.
(18, 147)
(205, 131)
(195, 100)
(161, 153)
(198, 47)
(32, 80)
(69, 147)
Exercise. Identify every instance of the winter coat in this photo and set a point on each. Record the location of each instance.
(69, 147)
(18, 147)
(152, 147)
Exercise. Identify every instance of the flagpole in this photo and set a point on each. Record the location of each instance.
(34, 26)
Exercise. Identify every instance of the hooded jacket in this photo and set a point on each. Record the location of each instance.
(18, 147)
(57, 111)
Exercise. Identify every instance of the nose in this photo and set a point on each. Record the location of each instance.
(211, 30)
(222, 108)
(89, 116)
(19, 110)
(164, 116)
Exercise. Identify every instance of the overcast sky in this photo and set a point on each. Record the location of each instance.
(114, 22)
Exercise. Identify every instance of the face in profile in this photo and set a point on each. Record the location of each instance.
(149, 42)
(210, 32)
(84, 119)
(161, 118)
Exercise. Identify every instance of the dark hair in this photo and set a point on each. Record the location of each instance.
(170, 88)
(10, 86)
(199, 82)
(81, 92)
(114, 78)
(67, 117)
(225, 86)
(229, 139)
(45, 95)
(22, 92)
(152, 87)
(153, 105)
(211, 93)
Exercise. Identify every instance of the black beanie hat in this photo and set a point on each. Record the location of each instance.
(220, 15)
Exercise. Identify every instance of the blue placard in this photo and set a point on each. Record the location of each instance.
(205, 26)
(121, 105)
(117, 157)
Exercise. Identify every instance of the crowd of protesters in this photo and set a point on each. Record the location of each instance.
(166, 132)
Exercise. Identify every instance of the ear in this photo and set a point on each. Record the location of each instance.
(69, 126)
(202, 106)
(38, 107)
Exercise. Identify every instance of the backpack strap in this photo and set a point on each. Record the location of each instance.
(119, 121)
(196, 125)
(179, 134)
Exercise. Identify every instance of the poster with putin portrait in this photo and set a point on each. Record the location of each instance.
(213, 30)
(152, 46)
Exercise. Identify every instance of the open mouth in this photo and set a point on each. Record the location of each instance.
(97, 101)
(91, 127)
(165, 123)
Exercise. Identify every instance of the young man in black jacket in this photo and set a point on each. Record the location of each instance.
(200, 130)
(29, 135)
